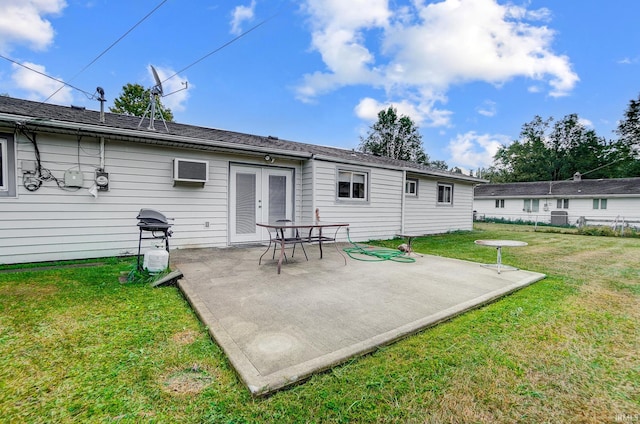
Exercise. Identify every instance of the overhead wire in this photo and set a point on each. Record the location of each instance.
(233, 40)
(110, 47)
(66, 83)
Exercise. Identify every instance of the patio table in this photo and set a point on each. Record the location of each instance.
(499, 244)
(281, 226)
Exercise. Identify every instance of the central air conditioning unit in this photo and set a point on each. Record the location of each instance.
(190, 170)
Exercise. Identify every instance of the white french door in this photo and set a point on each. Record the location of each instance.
(257, 194)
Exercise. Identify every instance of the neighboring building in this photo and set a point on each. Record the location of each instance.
(73, 181)
(576, 202)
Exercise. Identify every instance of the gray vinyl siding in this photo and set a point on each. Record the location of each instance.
(423, 215)
(55, 224)
(308, 190)
(378, 217)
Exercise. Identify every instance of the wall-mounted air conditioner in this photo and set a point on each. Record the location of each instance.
(190, 170)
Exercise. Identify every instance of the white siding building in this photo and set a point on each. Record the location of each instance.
(52, 207)
(578, 202)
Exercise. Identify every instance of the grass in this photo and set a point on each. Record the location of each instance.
(76, 345)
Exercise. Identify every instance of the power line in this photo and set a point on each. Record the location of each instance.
(48, 76)
(64, 83)
(109, 48)
(233, 40)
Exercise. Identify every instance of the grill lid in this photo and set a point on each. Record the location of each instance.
(152, 220)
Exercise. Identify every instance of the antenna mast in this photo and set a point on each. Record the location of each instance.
(154, 103)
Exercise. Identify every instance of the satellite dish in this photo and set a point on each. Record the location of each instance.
(158, 86)
(154, 101)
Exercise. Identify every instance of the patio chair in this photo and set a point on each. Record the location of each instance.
(276, 238)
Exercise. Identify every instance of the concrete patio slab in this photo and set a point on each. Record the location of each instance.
(279, 329)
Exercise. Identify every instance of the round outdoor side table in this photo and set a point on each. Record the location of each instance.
(499, 244)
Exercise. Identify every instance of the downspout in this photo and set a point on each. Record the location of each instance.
(102, 153)
(402, 203)
(313, 187)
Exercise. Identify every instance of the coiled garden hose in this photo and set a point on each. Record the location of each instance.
(375, 254)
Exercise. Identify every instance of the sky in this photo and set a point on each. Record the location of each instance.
(469, 73)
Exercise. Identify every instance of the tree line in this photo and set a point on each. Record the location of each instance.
(546, 150)
(550, 150)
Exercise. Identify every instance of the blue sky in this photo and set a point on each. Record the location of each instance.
(470, 73)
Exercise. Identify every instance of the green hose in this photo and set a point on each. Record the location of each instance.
(375, 254)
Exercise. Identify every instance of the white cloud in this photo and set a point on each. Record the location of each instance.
(22, 22)
(241, 14)
(472, 151)
(338, 35)
(38, 86)
(175, 96)
(585, 122)
(418, 53)
(487, 108)
(422, 114)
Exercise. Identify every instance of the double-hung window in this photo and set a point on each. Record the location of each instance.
(500, 203)
(411, 187)
(563, 204)
(531, 205)
(7, 167)
(445, 194)
(3, 164)
(352, 184)
(599, 203)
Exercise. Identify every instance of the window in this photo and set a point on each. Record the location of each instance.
(531, 205)
(352, 185)
(3, 164)
(411, 187)
(599, 203)
(445, 194)
(563, 204)
(7, 167)
(499, 203)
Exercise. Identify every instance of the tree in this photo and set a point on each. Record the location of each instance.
(394, 137)
(625, 152)
(439, 164)
(134, 101)
(550, 151)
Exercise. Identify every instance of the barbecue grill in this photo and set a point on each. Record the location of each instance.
(156, 227)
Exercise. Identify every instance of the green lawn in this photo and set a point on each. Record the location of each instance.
(76, 345)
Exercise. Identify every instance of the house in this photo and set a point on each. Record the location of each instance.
(576, 202)
(74, 180)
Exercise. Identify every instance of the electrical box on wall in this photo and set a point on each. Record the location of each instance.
(102, 180)
(73, 178)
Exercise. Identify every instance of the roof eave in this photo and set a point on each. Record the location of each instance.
(142, 136)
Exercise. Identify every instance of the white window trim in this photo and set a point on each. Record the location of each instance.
(598, 204)
(4, 184)
(351, 198)
(446, 185)
(407, 183)
(531, 205)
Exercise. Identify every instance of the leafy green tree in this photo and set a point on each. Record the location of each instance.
(625, 153)
(395, 137)
(548, 151)
(439, 164)
(134, 101)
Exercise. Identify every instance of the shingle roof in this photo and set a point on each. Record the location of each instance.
(42, 116)
(587, 188)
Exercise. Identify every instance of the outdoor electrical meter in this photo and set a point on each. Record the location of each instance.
(102, 180)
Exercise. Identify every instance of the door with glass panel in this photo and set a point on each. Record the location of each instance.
(258, 195)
